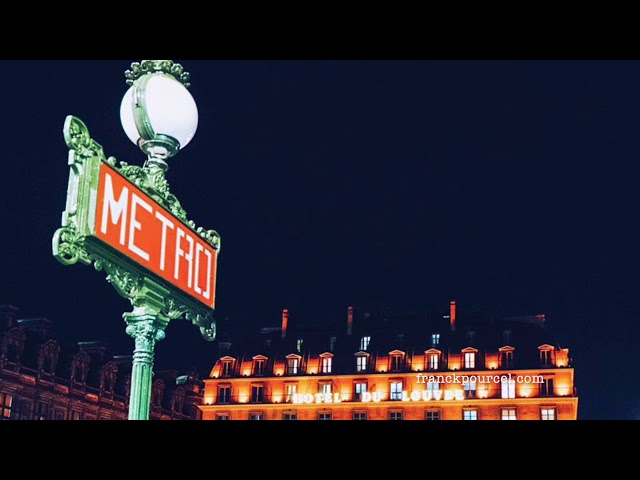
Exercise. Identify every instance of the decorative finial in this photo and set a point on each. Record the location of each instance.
(151, 66)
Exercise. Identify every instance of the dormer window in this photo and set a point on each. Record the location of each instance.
(299, 345)
(332, 343)
(469, 355)
(326, 360)
(433, 359)
(506, 336)
(471, 337)
(362, 360)
(435, 339)
(397, 360)
(546, 355)
(364, 343)
(226, 366)
(259, 365)
(293, 364)
(506, 357)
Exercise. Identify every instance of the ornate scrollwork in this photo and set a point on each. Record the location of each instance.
(152, 66)
(76, 135)
(68, 246)
(206, 323)
(127, 283)
(146, 331)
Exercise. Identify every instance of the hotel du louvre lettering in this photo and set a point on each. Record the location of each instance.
(366, 397)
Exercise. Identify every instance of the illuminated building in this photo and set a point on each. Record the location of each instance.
(40, 379)
(379, 367)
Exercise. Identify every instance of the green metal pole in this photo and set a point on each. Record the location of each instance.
(146, 330)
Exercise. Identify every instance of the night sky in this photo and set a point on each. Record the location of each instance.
(508, 185)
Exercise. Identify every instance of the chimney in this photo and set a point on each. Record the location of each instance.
(349, 320)
(8, 316)
(452, 315)
(285, 322)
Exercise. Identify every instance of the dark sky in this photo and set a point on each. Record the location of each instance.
(510, 185)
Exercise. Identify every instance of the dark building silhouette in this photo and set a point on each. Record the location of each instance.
(43, 377)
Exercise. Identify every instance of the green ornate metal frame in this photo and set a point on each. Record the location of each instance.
(74, 242)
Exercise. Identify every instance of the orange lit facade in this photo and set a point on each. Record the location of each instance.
(395, 369)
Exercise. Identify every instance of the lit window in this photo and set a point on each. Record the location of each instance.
(432, 415)
(433, 361)
(326, 387)
(332, 343)
(364, 343)
(435, 339)
(509, 414)
(507, 359)
(395, 415)
(326, 364)
(396, 390)
(396, 363)
(548, 414)
(433, 387)
(470, 415)
(292, 389)
(361, 363)
(325, 416)
(293, 366)
(222, 416)
(6, 401)
(359, 415)
(509, 389)
(360, 388)
(470, 390)
(257, 393)
(226, 368)
(299, 345)
(545, 358)
(258, 367)
(290, 416)
(546, 387)
(256, 416)
(469, 359)
(224, 394)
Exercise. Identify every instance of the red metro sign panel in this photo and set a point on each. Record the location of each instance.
(131, 222)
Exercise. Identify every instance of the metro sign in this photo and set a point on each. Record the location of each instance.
(132, 223)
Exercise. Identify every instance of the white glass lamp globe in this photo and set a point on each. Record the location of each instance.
(158, 110)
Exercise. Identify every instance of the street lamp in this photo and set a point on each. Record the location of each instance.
(124, 220)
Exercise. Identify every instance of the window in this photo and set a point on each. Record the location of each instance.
(470, 390)
(548, 413)
(359, 415)
(360, 388)
(42, 412)
(222, 416)
(256, 416)
(326, 387)
(293, 366)
(6, 401)
(395, 415)
(508, 414)
(470, 415)
(258, 367)
(326, 364)
(361, 363)
(433, 361)
(509, 389)
(289, 416)
(432, 415)
(506, 336)
(224, 394)
(396, 363)
(469, 359)
(292, 389)
(257, 393)
(545, 358)
(364, 343)
(396, 391)
(299, 344)
(226, 368)
(433, 387)
(507, 359)
(332, 343)
(435, 339)
(75, 415)
(60, 415)
(546, 387)
(325, 416)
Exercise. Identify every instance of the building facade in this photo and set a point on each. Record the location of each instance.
(405, 367)
(42, 378)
